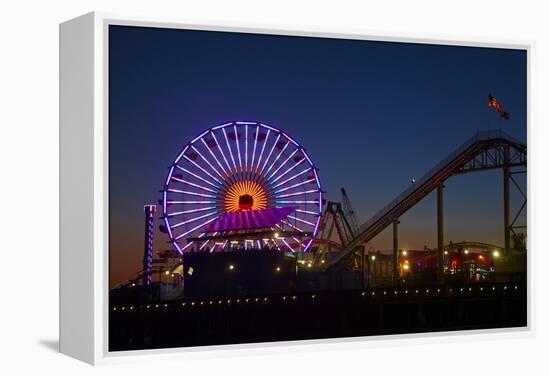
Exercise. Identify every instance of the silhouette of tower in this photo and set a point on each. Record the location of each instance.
(149, 210)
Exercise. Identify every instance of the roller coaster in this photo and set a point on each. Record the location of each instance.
(485, 150)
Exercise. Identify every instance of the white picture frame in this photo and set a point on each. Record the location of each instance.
(84, 186)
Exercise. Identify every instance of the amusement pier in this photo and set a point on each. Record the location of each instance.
(257, 253)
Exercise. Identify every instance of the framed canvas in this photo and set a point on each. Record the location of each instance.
(233, 186)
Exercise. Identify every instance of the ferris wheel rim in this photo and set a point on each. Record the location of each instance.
(221, 171)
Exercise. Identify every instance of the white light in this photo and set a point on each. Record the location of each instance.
(496, 254)
(466, 251)
(373, 257)
(404, 252)
(445, 252)
(231, 267)
(276, 235)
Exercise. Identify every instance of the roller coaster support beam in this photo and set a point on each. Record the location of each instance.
(395, 249)
(440, 232)
(506, 177)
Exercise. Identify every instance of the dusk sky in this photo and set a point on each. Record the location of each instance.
(372, 115)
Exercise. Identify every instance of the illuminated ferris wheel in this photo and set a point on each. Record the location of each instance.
(239, 177)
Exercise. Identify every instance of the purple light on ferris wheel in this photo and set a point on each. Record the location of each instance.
(169, 175)
(191, 193)
(291, 139)
(297, 193)
(277, 158)
(295, 185)
(229, 147)
(289, 170)
(193, 220)
(207, 162)
(192, 184)
(238, 148)
(213, 155)
(221, 152)
(195, 228)
(254, 149)
(189, 211)
(263, 148)
(199, 196)
(283, 164)
(246, 147)
(291, 178)
(201, 168)
(196, 176)
(270, 153)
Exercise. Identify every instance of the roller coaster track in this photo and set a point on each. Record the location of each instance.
(491, 149)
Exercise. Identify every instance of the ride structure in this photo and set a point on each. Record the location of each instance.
(242, 182)
(486, 150)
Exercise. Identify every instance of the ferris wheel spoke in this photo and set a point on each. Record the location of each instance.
(263, 148)
(197, 176)
(286, 243)
(283, 164)
(295, 227)
(221, 151)
(291, 178)
(308, 245)
(195, 228)
(301, 220)
(254, 148)
(277, 158)
(202, 169)
(189, 211)
(295, 185)
(289, 170)
(189, 243)
(230, 151)
(297, 193)
(192, 184)
(238, 148)
(298, 201)
(246, 148)
(207, 162)
(193, 219)
(308, 212)
(213, 155)
(206, 243)
(270, 153)
(191, 201)
(191, 193)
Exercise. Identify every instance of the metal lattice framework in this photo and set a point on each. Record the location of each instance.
(486, 150)
(241, 166)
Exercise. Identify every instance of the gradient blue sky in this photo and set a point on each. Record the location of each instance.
(372, 115)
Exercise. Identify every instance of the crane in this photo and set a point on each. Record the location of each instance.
(348, 210)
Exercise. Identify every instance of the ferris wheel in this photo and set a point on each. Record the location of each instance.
(240, 167)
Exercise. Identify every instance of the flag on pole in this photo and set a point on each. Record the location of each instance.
(498, 107)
